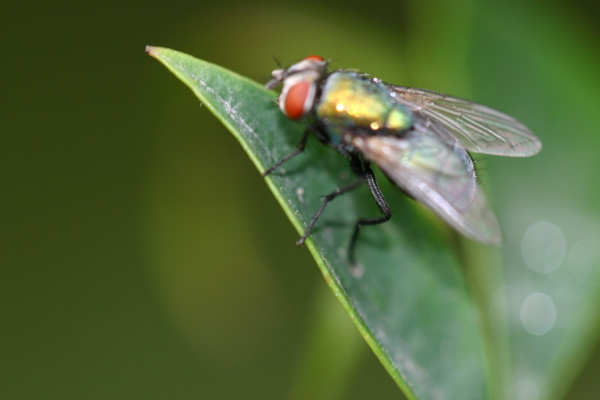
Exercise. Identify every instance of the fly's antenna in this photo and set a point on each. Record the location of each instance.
(278, 75)
(276, 61)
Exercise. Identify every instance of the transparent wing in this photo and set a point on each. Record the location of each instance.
(476, 127)
(438, 175)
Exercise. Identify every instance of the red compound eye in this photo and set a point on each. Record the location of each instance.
(295, 100)
(315, 58)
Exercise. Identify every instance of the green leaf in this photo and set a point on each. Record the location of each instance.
(407, 295)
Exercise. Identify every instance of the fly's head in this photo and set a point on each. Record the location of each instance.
(300, 85)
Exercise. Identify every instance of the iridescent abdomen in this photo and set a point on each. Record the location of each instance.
(350, 103)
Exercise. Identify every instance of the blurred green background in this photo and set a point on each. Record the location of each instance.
(142, 255)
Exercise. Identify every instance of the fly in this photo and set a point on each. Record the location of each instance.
(419, 138)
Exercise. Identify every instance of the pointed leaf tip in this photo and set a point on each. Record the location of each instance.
(152, 51)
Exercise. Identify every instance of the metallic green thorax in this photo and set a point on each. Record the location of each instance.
(349, 101)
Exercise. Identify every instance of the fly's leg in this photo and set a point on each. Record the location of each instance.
(328, 199)
(299, 149)
(381, 202)
(365, 174)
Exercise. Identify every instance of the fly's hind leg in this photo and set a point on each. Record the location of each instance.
(381, 202)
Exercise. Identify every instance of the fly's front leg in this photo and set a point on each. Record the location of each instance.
(381, 202)
(299, 149)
